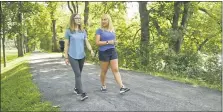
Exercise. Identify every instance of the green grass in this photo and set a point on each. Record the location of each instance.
(180, 78)
(10, 57)
(19, 93)
(194, 82)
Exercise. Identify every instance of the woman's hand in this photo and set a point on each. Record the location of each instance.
(67, 61)
(92, 53)
(113, 42)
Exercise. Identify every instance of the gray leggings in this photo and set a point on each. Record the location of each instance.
(77, 66)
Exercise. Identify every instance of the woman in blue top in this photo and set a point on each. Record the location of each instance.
(75, 37)
(106, 40)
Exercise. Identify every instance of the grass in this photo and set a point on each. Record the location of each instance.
(19, 93)
(194, 82)
(180, 78)
(10, 57)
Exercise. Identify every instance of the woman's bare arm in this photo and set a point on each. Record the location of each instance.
(102, 43)
(88, 44)
(66, 47)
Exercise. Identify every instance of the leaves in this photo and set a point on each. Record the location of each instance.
(200, 34)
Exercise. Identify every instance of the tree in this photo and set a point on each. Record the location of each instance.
(74, 8)
(145, 36)
(178, 31)
(20, 36)
(1, 35)
(86, 14)
(52, 6)
(3, 39)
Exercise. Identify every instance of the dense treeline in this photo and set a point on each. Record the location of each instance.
(178, 38)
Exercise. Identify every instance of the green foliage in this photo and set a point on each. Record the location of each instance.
(10, 57)
(189, 63)
(19, 93)
(201, 35)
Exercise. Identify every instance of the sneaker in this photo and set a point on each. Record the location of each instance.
(76, 91)
(84, 96)
(103, 89)
(124, 89)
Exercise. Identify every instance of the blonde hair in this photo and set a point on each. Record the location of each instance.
(73, 24)
(110, 25)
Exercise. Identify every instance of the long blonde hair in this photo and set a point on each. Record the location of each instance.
(110, 25)
(73, 24)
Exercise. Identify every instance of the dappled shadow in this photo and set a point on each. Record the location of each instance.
(57, 80)
(18, 72)
(10, 71)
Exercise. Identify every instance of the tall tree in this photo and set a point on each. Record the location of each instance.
(20, 36)
(3, 39)
(145, 36)
(179, 30)
(53, 7)
(0, 35)
(86, 14)
(74, 8)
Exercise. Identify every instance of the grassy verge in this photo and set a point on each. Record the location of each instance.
(194, 82)
(19, 93)
(179, 78)
(10, 57)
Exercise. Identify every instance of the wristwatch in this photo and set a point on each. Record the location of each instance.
(106, 42)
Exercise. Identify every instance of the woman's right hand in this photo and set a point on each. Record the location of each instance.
(67, 61)
(113, 42)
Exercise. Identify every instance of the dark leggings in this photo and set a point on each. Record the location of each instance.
(77, 66)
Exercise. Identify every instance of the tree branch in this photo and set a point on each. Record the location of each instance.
(209, 14)
(77, 6)
(133, 41)
(176, 15)
(185, 14)
(68, 3)
(206, 40)
(75, 11)
(156, 24)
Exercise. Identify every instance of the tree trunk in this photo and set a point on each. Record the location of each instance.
(20, 38)
(3, 33)
(175, 36)
(144, 18)
(74, 7)
(176, 15)
(182, 27)
(1, 37)
(24, 41)
(27, 41)
(86, 13)
(3, 40)
(55, 49)
(24, 45)
(68, 4)
(144, 22)
(77, 6)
